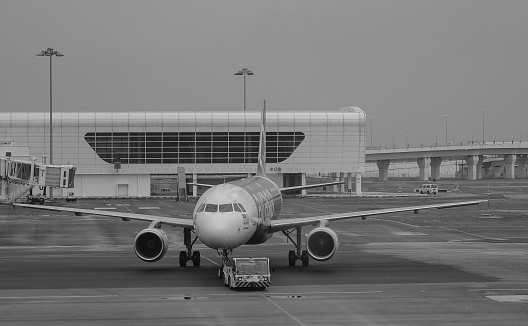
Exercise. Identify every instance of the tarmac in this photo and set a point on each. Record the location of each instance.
(460, 267)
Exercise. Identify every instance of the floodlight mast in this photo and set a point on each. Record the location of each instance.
(50, 53)
(244, 72)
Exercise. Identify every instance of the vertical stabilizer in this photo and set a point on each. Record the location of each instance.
(261, 169)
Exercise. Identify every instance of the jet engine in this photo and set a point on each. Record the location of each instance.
(151, 244)
(321, 243)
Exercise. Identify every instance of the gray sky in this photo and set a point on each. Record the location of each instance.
(406, 63)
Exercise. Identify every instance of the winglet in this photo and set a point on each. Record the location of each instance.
(261, 169)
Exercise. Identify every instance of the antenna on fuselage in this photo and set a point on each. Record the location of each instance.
(261, 169)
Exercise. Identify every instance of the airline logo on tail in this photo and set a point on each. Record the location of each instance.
(261, 169)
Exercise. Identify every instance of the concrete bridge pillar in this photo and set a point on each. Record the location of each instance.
(435, 167)
(509, 161)
(359, 192)
(471, 161)
(422, 161)
(383, 167)
(342, 179)
(479, 167)
(521, 167)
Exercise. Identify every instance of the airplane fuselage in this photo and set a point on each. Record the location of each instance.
(239, 212)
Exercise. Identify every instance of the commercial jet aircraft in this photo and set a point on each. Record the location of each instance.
(242, 212)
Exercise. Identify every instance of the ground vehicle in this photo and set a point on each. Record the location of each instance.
(71, 197)
(428, 188)
(35, 199)
(246, 273)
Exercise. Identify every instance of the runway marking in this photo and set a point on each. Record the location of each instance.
(381, 219)
(148, 208)
(62, 296)
(508, 298)
(281, 309)
(404, 233)
(104, 208)
(486, 289)
(217, 264)
(472, 234)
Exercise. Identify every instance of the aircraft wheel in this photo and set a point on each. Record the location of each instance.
(195, 258)
(183, 258)
(305, 258)
(292, 258)
(229, 283)
(220, 273)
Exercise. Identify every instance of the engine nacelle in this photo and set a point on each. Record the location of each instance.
(151, 244)
(321, 243)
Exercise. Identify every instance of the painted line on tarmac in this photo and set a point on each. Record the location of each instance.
(104, 208)
(281, 309)
(217, 264)
(148, 207)
(61, 297)
(472, 234)
(381, 219)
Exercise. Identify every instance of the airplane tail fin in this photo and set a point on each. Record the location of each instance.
(261, 169)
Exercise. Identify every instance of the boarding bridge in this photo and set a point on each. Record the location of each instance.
(18, 177)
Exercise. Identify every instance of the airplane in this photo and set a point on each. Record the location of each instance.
(243, 212)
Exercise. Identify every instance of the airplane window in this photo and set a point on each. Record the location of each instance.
(201, 208)
(211, 208)
(226, 208)
(242, 207)
(237, 208)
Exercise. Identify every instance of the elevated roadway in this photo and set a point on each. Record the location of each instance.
(514, 154)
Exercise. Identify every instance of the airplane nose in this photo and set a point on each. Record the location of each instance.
(217, 230)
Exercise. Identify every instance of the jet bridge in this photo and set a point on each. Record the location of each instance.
(18, 177)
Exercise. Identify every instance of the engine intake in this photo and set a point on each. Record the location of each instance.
(151, 244)
(321, 243)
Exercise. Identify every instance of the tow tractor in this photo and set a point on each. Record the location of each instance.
(246, 273)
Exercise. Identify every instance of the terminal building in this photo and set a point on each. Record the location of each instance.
(139, 154)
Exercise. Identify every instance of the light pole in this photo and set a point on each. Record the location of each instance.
(50, 53)
(483, 139)
(371, 132)
(445, 115)
(244, 72)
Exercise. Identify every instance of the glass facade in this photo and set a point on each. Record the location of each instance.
(191, 147)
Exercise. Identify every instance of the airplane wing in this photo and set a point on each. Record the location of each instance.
(284, 224)
(180, 222)
(310, 186)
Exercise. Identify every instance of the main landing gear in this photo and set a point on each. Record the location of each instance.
(297, 254)
(186, 255)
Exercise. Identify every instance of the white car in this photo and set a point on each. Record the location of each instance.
(428, 188)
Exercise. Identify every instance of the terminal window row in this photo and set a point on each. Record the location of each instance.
(191, 147)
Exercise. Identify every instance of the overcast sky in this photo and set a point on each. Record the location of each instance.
(405, 63)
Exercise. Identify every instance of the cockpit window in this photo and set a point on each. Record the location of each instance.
(225, 208)
(239, 207)
(211, 208)
(201, 208)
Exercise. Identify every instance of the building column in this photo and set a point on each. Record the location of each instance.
(471, 161)
(349, 182)
(479, 167)
(422, 161)
(195, 187)
(303, 183)
(509, 161)
(383, 167)
(342, 179)
(521, 166)
(358, 185)
(435, 167)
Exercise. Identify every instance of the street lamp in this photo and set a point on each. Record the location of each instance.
(244, 72)
(50, 53)
(483, 139)
(445, 115)
(371, 132)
